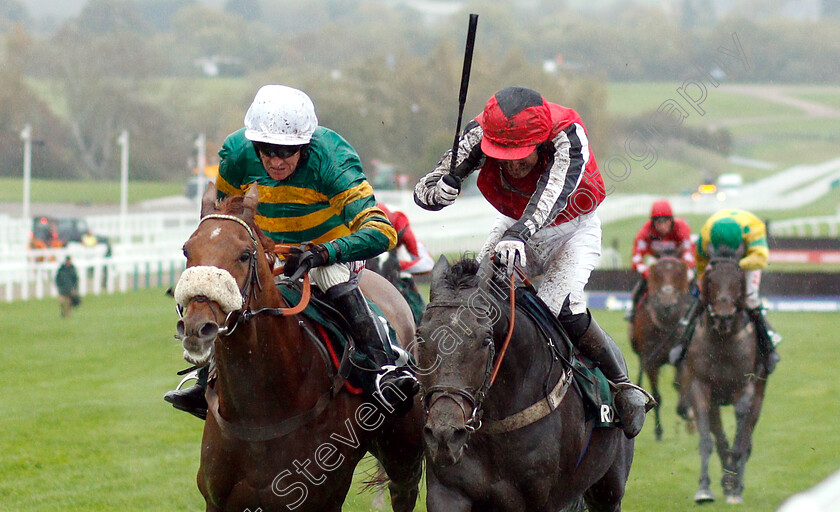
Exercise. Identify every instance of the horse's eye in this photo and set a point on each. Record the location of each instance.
(184, 250)
(244, 257)
(487, 341)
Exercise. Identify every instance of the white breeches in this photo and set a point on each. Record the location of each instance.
(564, 255)
(753, 280)
(328, 276)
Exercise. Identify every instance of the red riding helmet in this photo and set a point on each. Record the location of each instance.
(514, 121)
(661, 208)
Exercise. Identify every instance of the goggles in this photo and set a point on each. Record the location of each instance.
(276, 150)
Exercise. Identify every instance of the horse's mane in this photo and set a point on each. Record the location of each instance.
(235, 206)
(463, 273)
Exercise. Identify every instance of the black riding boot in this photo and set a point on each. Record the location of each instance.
(631, 401)
(639, 290)
(395, 386)
(191, 399)
(767, 338)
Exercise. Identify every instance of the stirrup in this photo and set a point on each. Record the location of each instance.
(649, 404)
(193, 375)
(632, 404)
(400, 375)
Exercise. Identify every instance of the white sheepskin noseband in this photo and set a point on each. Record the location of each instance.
(212, 282)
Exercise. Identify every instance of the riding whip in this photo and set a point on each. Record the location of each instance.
(452, 179)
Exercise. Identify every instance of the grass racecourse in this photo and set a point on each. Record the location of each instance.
(83, 426)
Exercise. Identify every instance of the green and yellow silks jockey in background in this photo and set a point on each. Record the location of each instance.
(738, 234)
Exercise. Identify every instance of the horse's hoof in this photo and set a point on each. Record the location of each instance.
(704, 496)
(734, 500)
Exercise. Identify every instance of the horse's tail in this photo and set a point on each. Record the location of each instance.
(375, 480)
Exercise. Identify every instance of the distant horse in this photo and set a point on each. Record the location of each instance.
(282, 431)
(656, 320)
(521, 442)
(721, 368)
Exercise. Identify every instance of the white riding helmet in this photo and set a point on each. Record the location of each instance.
(280, 115)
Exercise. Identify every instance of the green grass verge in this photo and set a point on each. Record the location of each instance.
(635, 98)
(85, 428)
(86, 192)
(827, 98)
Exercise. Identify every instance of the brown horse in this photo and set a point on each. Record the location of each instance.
(282, 429)
(656, 320)
(721, 368)
(521, 442)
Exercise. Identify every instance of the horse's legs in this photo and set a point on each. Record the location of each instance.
(400, 453)
(747, 409)
(721, 441)
(653, 375)
(641, 371)
(606, 494)
(440, 498)
(700, 403)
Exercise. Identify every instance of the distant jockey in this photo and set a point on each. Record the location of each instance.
(662, 235)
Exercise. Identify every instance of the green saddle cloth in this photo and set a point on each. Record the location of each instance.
(363, 369)
(589, 380)
(408, 290)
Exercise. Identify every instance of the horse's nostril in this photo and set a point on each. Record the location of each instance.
(181, 329)
(209, 330)
(459, 436)
(429, 438)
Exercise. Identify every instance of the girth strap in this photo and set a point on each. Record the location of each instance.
(534, 412)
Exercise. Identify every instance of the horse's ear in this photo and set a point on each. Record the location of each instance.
(252, 199)
(208, 200)
(485, 271)
(438, 271)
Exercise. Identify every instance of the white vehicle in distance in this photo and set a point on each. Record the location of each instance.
(729, 184)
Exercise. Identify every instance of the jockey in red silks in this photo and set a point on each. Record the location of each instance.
(535, 166)
(662, 235)
(415, 258)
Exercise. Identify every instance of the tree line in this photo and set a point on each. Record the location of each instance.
(379, 73)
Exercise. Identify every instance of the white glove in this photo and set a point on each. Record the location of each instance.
(444, 194)
(507, 251)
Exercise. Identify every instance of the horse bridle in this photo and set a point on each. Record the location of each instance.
(710, 304)
(474, 399)
(244, 313)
